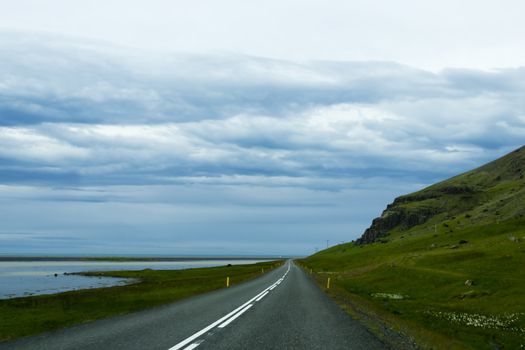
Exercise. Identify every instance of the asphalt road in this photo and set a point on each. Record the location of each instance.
(283, 309)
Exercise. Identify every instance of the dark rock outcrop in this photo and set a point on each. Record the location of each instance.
(458, 195)
(395, 217)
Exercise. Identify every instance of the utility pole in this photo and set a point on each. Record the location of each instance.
(327, 241)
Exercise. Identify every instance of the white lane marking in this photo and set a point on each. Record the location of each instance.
(206, 329)
(220, 320)
(231, 319)
(262, 296)
(192, 346)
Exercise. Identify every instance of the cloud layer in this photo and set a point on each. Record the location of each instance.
(100, 128)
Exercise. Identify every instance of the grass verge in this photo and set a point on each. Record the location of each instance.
(445, 289)
(36, 314)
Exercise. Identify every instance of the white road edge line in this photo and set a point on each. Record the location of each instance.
(192, 346)
(220, 320)
(231, 319)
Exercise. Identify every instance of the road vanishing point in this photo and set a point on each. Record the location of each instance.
(282, 309)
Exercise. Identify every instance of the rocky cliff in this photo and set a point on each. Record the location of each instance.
(496, 189)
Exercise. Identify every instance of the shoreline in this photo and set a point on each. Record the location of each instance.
(44, 275)
(136, 259)
(154, 288)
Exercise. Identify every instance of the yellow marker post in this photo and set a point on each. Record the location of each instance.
(262, 270)
(227, 282)
(328, 283)
(311, 271)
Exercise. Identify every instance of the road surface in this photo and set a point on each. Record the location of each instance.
(283, 309)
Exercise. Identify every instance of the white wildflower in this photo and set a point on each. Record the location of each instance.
(388, 296)
(505, 322)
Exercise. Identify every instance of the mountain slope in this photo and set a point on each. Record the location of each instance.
(495, 191)
(443, 265)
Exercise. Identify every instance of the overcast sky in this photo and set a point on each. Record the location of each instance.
(236, 127)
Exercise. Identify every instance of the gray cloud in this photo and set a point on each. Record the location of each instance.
(58, 81)
(129, 143)
(180, 219)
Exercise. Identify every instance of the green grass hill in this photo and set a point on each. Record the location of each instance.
(444, 266)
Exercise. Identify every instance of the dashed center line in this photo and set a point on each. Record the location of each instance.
(228, 318)
(192, 346)
(262, 296)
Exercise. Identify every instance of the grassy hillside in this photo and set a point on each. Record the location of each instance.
(444, 265)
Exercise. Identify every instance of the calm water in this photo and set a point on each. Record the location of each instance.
(23, 278)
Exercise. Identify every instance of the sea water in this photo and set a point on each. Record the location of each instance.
(25, 278)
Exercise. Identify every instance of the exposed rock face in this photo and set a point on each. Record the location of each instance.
(459, 195)
(393, 217)
(401, 214)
